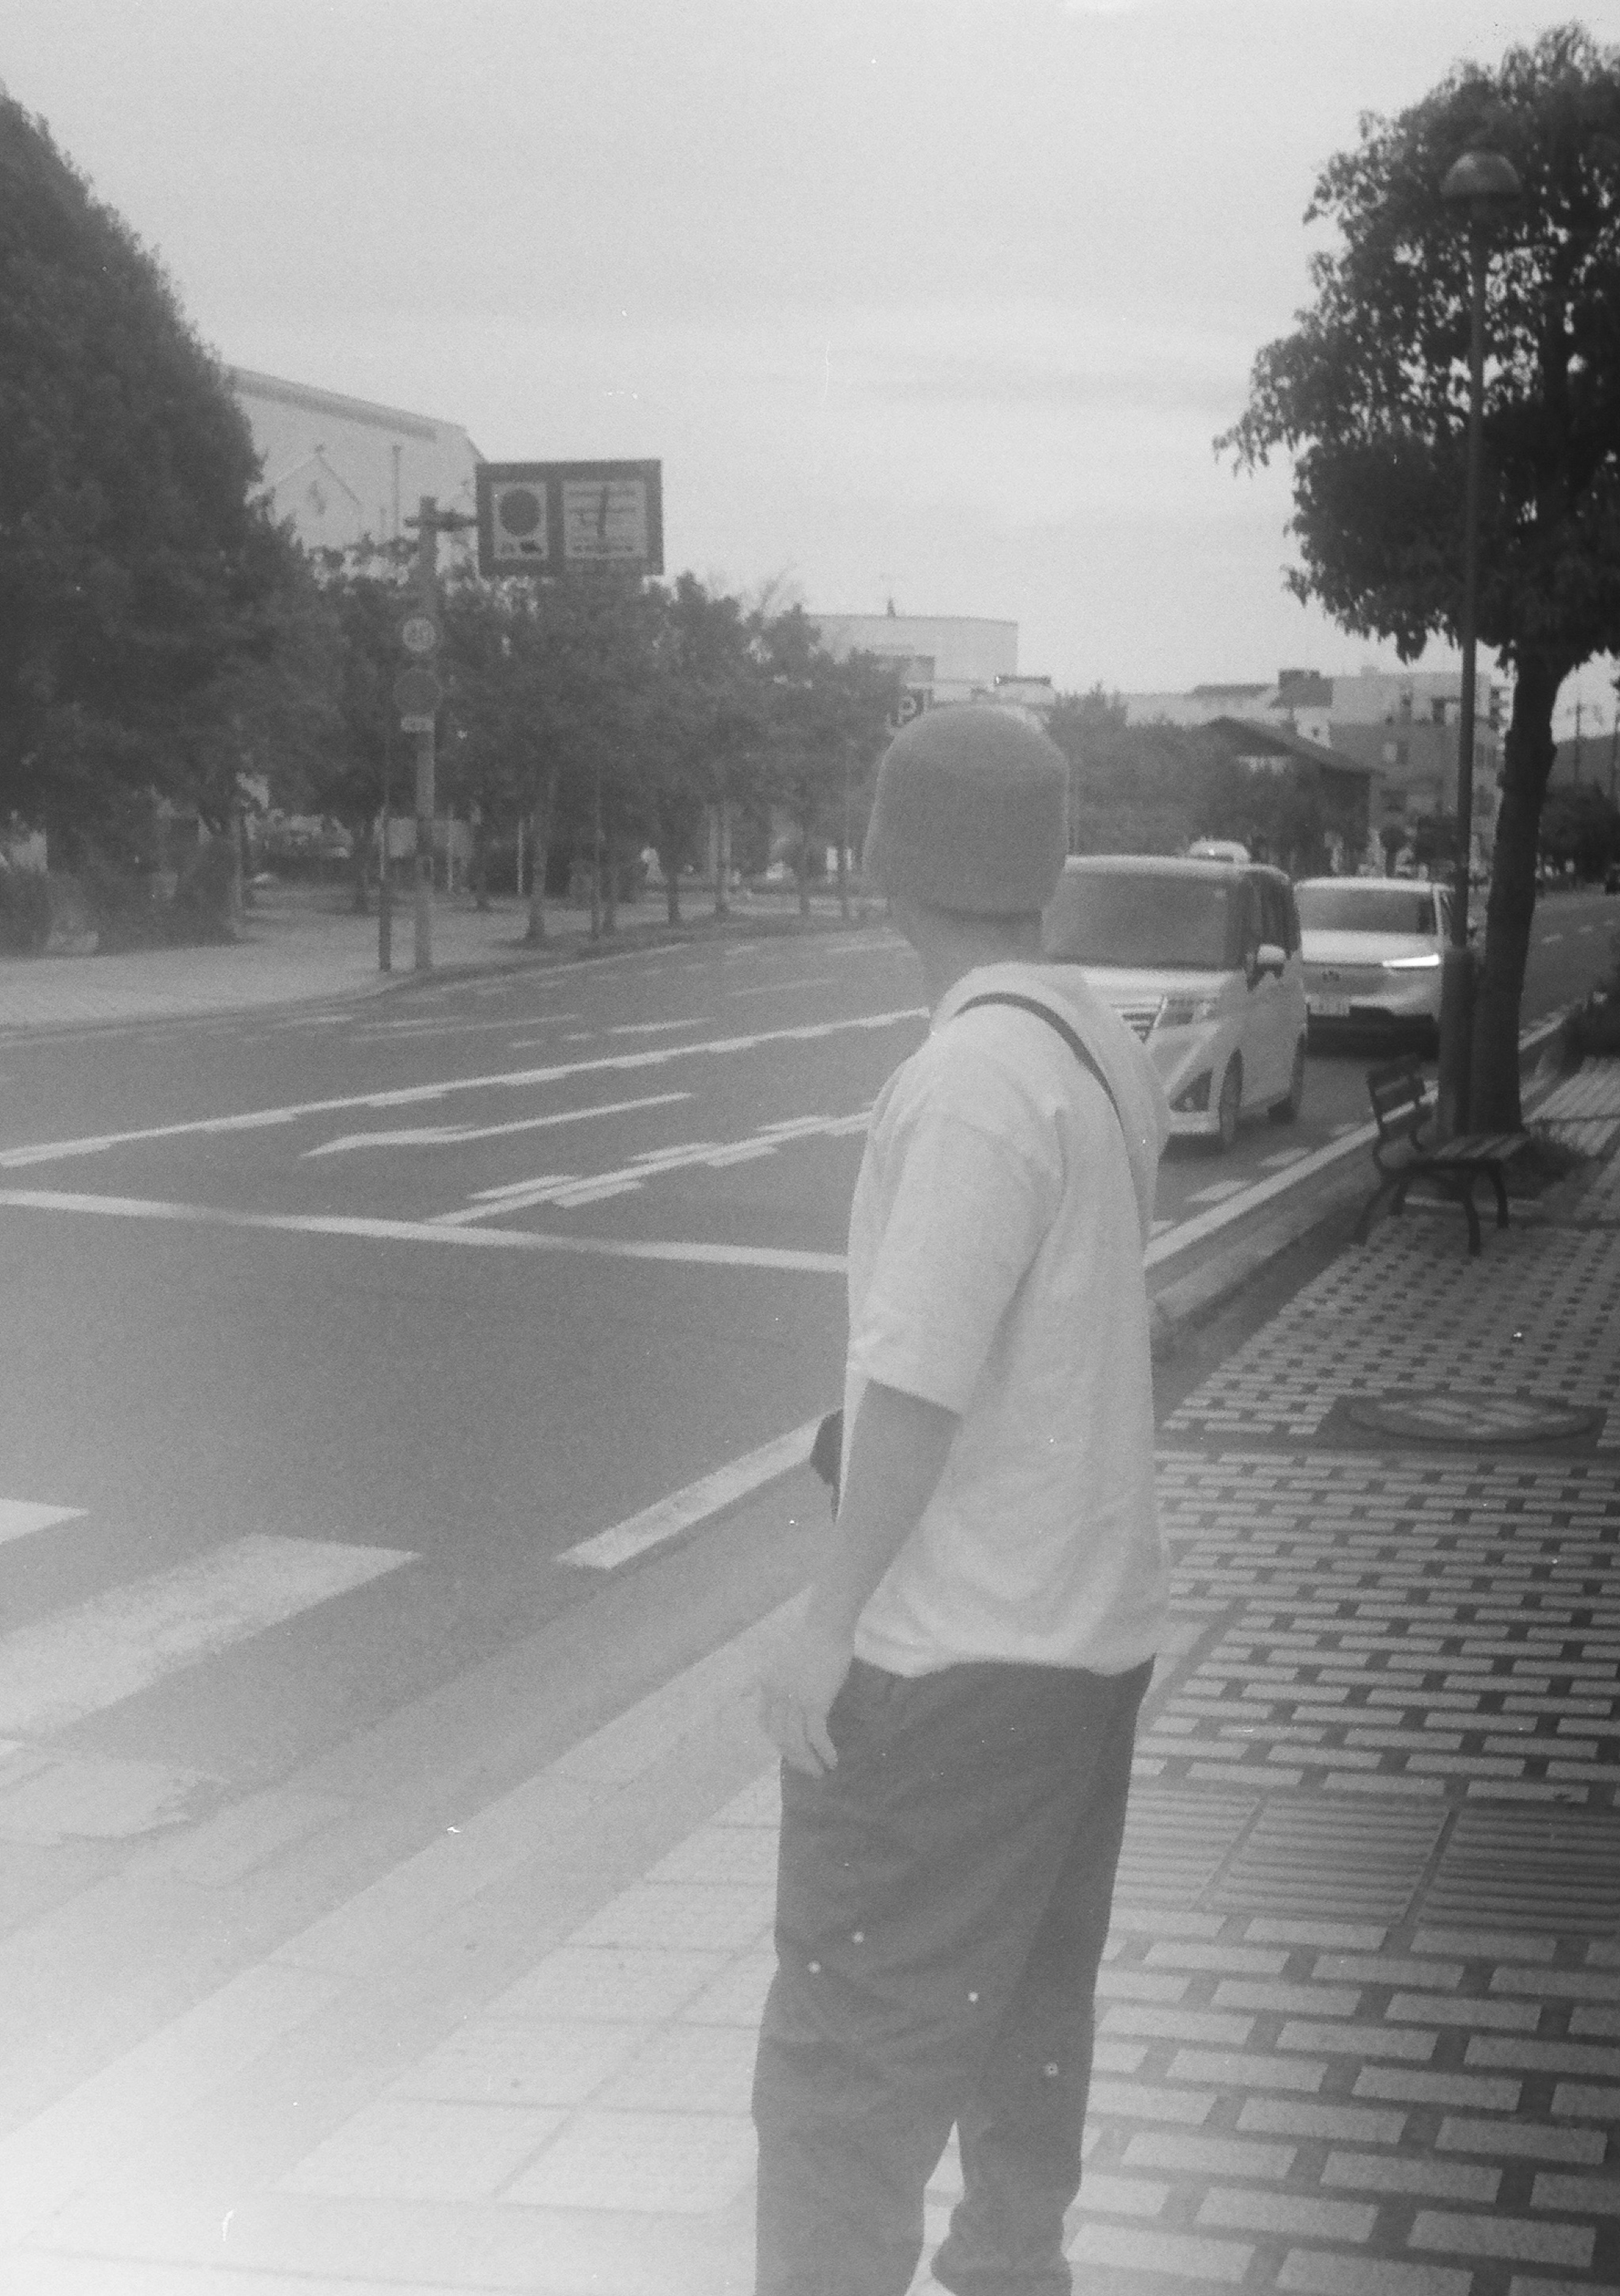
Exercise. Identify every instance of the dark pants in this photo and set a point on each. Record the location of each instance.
(942, 1904)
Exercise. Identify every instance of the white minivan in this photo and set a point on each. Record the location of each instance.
(1201, 959)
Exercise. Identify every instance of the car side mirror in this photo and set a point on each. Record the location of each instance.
(1266, 958)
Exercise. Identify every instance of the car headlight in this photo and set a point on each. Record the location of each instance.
(1413, 964)
(1186, 1011)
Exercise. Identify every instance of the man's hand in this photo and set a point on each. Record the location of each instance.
(796, 1692)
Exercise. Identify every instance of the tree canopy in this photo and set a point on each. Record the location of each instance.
(136, 573)
(1369, 396)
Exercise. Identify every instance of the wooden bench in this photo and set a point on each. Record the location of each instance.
(1403, 1107)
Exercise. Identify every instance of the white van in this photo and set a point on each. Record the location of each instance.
(1201, 959)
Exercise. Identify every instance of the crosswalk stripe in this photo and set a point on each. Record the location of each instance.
(17, 1517)
(79, 1662)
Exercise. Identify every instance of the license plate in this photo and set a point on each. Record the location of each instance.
(1329, 1008)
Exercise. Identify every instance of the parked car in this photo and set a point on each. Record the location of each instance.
(1374, 948)
(1201, 959)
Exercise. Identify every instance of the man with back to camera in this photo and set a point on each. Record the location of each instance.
(955, 1707)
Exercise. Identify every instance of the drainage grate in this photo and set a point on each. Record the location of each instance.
(1529, 1869)
(1174, 1844)
(1332, 1858)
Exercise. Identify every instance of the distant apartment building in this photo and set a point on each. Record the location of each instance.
(343, 469)
(943, 656)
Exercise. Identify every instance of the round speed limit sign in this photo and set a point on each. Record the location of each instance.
(419, 634)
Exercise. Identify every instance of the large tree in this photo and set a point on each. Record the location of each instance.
(135, 571)
(1370, 396)
(826, 722)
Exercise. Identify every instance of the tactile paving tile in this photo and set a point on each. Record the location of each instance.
(1535, 1868)
(1309, 1855)
(1175, 1843)
(1537, 1312)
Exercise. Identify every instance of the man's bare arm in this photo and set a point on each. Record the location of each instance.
(897, 1453)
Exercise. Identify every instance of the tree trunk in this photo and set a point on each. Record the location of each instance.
(539, 854)
(481, 864)
(670, 868)
(360, 870)
(1493, 1099)
(722, 860)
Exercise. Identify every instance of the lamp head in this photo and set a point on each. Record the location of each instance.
(1484, 178)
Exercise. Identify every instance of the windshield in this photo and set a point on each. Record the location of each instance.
(1359, 907)
(1148, 922)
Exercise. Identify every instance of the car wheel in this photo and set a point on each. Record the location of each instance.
(1286, 1111)
(1229, 1109)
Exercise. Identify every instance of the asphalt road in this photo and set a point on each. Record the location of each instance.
(329, 1334)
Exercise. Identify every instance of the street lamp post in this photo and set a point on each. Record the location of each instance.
(1485, 184)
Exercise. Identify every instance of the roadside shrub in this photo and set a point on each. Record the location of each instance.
(25, 911)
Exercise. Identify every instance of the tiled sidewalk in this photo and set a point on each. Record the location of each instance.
(1360, 2019)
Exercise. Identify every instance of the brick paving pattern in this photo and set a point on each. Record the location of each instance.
(1359, 2024)
(1359, 2020)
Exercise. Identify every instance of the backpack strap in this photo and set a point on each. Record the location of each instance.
(1055, 1021)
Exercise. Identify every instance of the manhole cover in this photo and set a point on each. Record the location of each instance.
(1461, 1416)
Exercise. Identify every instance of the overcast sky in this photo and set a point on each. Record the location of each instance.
(941, 300)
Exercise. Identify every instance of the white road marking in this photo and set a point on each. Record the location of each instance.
(43, 1152)
(656, 1027)
(794, 981)
(393, 1231)
(568, 1191)
(79, 1662)
(1548, 939)
(19, 1517)
(667, 1518)
(440, 1135)
(1283, 1156)
(1218, 1192)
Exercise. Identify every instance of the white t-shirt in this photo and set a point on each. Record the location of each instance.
(996, 1241)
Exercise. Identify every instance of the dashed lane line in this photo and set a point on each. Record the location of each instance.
(428, 1136)
(667, 1517)
(568, 1189)
(398, 1231)
(44, 1152)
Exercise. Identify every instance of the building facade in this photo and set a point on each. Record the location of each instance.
(1402, 728)
(343, 469)
(945, 657)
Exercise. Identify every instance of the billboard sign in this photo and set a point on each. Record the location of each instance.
(569, 518)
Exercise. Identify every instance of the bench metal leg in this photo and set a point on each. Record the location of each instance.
(1468, 1205)
(1363, 1226)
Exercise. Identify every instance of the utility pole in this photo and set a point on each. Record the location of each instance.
(419, 703)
